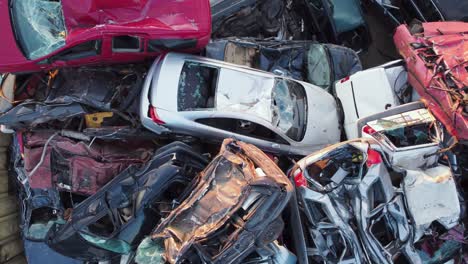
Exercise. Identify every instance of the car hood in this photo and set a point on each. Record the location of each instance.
(10, 52)
(170, 15)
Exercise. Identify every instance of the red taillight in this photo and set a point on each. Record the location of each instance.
(300, 180)
(368, 130)
(345, 79)
(154, 116)
(373, 157)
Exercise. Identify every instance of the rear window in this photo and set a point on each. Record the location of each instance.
(126, 44)
(407, 129)
(411, 135)
(197, 86)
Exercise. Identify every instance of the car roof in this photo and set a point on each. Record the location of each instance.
(233, 82)
(244, 93)
(148, 16)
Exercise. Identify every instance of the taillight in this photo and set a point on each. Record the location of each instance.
(373, 157)
(154, 116)
(300, 180)
(345, 79)
(368, 130)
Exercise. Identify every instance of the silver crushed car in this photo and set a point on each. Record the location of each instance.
(357, 207)
(212, 100)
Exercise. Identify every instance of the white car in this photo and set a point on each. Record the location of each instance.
(372, 91)
(212, 100)
(408, 133)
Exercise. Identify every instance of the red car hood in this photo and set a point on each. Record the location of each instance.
(437, 61)
(9, 51)
(171, 15)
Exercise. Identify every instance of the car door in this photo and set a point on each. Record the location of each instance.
(248, 131)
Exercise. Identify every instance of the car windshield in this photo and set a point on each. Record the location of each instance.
(289, 108)
(39, 26)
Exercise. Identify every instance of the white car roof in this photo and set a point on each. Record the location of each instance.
(244, 93)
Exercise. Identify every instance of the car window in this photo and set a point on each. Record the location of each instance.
(289, 108)
(407, 129)
(318, 67)
(197, 86)
(126, 44)
(243, 127)
(39, 26)
(88, 49)
(411, 135)
(158, 45)
(103, 227)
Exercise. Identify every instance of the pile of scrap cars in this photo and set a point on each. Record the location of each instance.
(243, 131)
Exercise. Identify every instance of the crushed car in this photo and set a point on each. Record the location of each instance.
(54, 161)
(114, 220)
(93, 102)
(236, 203)
(308, 61)
(436, 59)
(406, 131)
(257, 18)
(54, 172)
(339, 22)
(372, 91)
(357, 207)
(211, 100)
(406, 11)
(41, 35)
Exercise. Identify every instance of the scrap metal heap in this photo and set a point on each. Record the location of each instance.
(437, 61)
(200, 158)
(358, 208)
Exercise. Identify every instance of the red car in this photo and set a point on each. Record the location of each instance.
(44, 34)
(437, 58)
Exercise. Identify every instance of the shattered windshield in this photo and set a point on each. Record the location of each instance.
(289, 108)
(39, 26)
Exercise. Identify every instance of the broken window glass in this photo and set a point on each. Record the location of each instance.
(39, 26)
(289, 108)
(150, 251)
(197, 86)
(407, 129)
(114, 245)
(410, 136)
